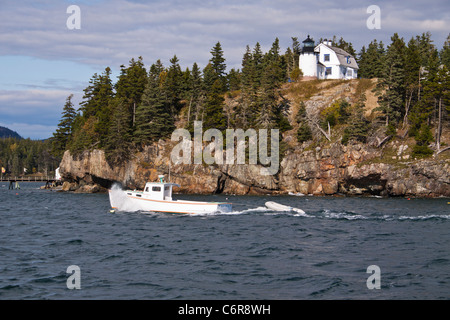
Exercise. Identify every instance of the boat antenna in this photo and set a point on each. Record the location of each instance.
(169, 171)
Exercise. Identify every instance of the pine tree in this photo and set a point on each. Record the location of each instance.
(370, 60)
(445, 53)
(214, 115)
(218, 65)
(358, 126)
(153, 115)
(90, 126)
(392, 81)
(234, 80)
(173, 86)
(64, 130)
(257, 67)
(292, 60)
(304, 132)
(195, 98)
(422, 111)
(119, 142)
(130, 86)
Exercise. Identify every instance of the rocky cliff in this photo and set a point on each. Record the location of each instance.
(356, 169)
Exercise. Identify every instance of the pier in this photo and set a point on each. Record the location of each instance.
(14, 181)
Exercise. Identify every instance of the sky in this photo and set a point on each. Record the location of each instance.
(44, 59)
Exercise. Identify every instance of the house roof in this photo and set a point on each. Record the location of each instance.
(342, 56)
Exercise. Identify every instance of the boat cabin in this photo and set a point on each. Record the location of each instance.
(159, 190)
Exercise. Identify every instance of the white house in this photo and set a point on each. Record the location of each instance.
(326, 62)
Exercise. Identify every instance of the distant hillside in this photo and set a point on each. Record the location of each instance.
(7, 133)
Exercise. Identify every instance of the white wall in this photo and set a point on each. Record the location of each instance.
(308, 64)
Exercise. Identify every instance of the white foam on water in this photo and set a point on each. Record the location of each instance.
(120, 201)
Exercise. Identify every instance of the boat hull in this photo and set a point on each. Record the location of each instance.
(135, 201)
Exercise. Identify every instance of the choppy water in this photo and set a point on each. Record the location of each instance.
(253, 253)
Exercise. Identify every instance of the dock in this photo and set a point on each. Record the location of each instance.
(14, 181)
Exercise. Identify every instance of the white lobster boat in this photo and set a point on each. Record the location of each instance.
(157, 197)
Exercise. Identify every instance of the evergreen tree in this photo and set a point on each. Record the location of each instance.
(304, 132)
(209, 77)
(119, 141)
(257, 67)
(91, 127)
(422, 111)
(153, 116)
(445, 53)
(426, 47)
(214, 115)
(412, 76)
(267, 98)
(370, 60)
(246, 71)
(63, 132)
(234, 80)
(358, 126)
(392, 81)
(130, 86)
(218, 65)
(196, 98)
(173, 86)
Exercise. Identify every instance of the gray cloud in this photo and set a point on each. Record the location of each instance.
(113, 32)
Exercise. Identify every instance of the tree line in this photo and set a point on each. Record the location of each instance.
(25, 156)
(144, 106)
(413, 87)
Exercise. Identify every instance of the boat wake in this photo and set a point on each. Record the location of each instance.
(123, 204)
(121, 201)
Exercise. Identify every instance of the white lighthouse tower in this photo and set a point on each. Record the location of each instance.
(308, 59)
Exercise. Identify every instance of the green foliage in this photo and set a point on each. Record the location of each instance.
(358, 126)
(370, 61)
(392, 81)
(154, 118)
(335, 114)
(219, 67)
(304, 132)
(33, 155)
(118, 143)
(423, 138)
(62, 135)
(214, 115)
(445, 53)
(141, 107)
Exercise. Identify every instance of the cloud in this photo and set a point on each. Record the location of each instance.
(32, 106)
(113, 32)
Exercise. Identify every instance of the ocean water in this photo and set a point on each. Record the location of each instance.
(252, 253)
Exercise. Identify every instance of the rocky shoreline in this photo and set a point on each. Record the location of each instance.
(335, 169)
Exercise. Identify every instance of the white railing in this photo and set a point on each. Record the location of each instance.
(27, 179)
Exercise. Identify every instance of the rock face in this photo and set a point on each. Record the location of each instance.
(355, 169)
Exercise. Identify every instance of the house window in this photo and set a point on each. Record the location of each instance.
(328, 71)
(157, 189)
(349, 73)
(326, 57)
